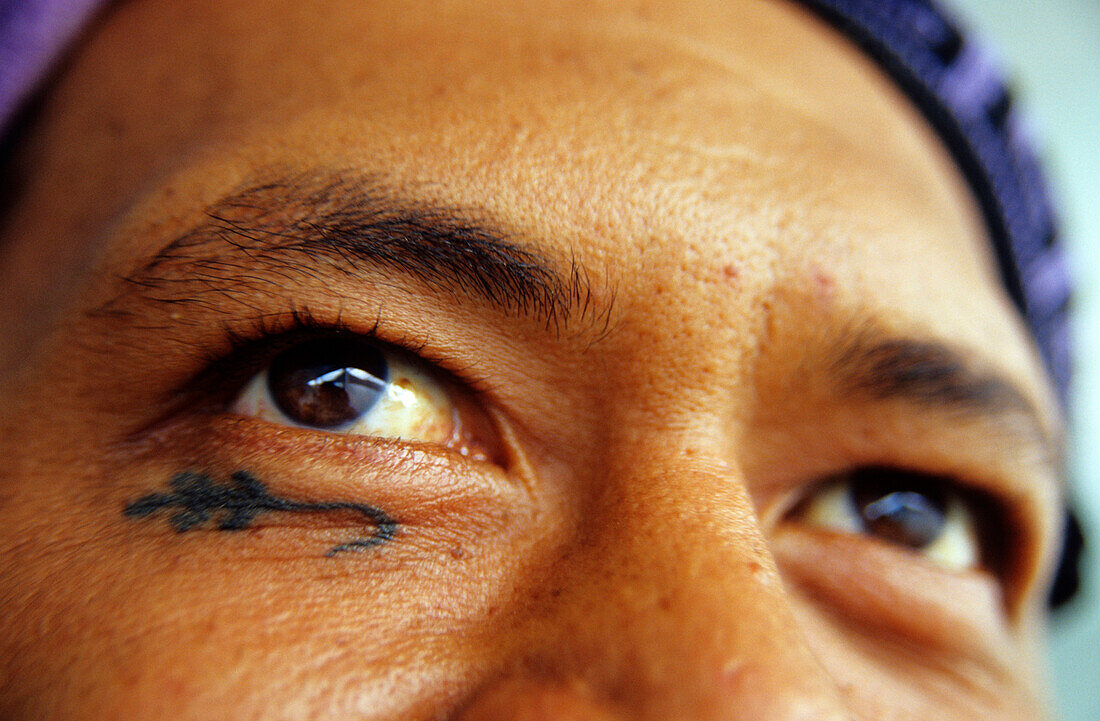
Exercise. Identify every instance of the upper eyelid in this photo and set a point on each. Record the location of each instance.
(1021, 514)
(205, 351)
(935, 377)
(855, 431)
(259, 339)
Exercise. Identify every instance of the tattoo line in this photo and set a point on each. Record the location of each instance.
(198, 497)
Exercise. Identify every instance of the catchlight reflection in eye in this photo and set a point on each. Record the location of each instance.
(352, 386)
(898, 507)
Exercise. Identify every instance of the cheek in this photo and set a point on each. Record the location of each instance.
(878, 675)
(135, 620)
(898, 634)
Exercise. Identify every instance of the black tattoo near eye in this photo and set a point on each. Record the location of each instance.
(237, 504)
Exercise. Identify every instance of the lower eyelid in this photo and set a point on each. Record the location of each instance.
(877, 589)
(431, 492)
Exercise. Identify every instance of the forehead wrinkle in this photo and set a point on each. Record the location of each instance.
(304, 225)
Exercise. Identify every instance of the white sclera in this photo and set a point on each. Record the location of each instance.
(413, 406)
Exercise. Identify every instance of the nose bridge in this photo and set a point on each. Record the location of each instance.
(668, 606)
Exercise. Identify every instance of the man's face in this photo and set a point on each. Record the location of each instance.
(550, 361)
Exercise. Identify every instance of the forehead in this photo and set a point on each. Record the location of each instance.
(730, 157)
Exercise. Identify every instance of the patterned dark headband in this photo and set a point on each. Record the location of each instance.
(949, 78)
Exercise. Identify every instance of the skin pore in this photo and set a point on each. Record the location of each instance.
(648, 279)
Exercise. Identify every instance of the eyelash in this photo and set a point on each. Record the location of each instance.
(249, 344)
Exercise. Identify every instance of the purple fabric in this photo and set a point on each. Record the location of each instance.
(950, 78)
(33, 33)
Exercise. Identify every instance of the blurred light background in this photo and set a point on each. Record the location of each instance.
(1052, 48)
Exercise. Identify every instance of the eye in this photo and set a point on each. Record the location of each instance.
(913, 510)
(352, 385)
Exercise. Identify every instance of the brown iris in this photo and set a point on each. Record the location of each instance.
(328, 383)
(902, 507)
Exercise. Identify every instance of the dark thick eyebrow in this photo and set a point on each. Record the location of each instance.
(934, 375)
(925, 372)
(300, 225)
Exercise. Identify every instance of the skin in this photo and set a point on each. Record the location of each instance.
(744, 192)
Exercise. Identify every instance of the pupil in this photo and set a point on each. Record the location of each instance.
(328, 383)
(901, 507)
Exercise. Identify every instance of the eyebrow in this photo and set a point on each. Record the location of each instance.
(300, 224)
(934, 375)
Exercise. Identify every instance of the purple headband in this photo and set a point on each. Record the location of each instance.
(33, 33)
(949, 78)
